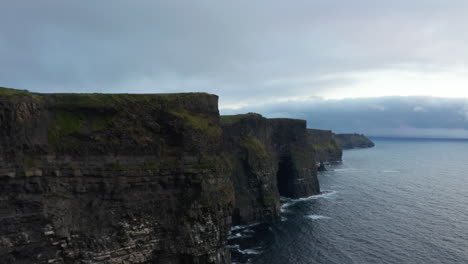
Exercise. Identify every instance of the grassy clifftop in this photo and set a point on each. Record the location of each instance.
(75, 121)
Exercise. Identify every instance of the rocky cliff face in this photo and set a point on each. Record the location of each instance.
(297, 173)
(350, 141)
(270, 157)
(248, 142)
(326, 148)
(93, 178)
(112, 179)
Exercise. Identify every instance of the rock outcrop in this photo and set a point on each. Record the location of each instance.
(90, 178)
(325, 146)
(350, 141)
(270, 157)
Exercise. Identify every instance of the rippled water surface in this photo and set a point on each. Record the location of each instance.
(404, 201)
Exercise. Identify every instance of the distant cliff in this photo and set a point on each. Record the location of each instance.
(349, 141)
(121, 178)
(325, 145)
(270, 157)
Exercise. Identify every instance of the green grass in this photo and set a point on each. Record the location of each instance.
(253, 145)
(9, 91)
(198, 123)
(231, 119)
(66, 123)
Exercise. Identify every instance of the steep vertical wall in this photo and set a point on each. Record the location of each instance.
(297, 173)
(325, 146)
(270, 157)
(112, 179)
(93, 178)
(248, 142)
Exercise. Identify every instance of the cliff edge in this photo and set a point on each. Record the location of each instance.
(325, 145)
(94, 178)
(149, 178)
(270, 157)
(350, 141)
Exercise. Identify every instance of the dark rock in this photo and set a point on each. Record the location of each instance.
(94, 178)
(325, 146)
(297, 173)
(270, 157)
(91, 178)
(321, 167)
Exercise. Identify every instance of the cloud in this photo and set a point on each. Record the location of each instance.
(393, 116)
(245, 51)
(419, 109)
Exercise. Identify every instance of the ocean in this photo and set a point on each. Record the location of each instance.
(403, 201)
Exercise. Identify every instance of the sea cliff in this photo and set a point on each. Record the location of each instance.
(325, 146)
(157, 178)
(270, 157)
(350, 141)
(90, 178)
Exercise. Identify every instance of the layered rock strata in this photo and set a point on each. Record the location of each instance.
(119, 178)
(95, 178)
(270, 157)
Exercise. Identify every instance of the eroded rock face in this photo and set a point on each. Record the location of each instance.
(270, 157)
(248, 142)
(297, 173)
(113, 179)
(92, 178)
(325, 146)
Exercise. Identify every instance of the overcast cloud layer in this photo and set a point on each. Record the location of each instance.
(248, 52)
(385, 116)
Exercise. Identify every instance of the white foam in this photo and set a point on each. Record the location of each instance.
(390, 171)
(249, 251)
(317, 217)
(286, 205)
(240, 227)
(347, 169)
(289, 201)
(233, 246)
(324, 194)
(232, 236)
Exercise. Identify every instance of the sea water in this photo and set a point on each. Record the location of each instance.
(404, 201)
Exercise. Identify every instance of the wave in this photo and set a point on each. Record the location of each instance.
(289, 201)
(235, 246)
(248, 251)
(390, 171)
(317, 217)
(240, 227)
(347, 169)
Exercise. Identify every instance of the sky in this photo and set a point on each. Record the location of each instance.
(273, 57)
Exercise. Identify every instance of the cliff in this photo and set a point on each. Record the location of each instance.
(349, 141)
(92, 178)
(156, 178)
(270, 157)
(325, 146)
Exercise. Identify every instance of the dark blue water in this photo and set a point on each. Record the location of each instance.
(404, 201)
